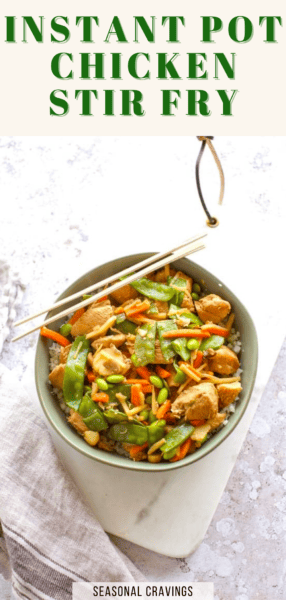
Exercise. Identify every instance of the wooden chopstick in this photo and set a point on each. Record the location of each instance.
(108, 280)
(187, 248)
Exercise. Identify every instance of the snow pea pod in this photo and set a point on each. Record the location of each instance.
(114, 416)
(153, 290)
(113, 389)
(195, 320)
(180, 347)
(145, 346)
(96, 421)
(166, 345)
(175, 438)
(156, 431)
(128, 433)
(86, 406)
(214, 342)
(74, 372)
(180, 376)
(124, 325)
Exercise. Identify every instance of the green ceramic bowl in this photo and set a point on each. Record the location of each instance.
(249, 355)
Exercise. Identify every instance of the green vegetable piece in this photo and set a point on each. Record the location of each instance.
(86, 296)
(86, 407)
(102, 384)
(153, 290)
(180, 347)
(162, 396)
(180, 376)
(65, 329)
(196, 288)
(74, 372)
(153, 310)
(178, 298)
(195, 296)
(145, 414)
(214, 342)
(176, 437)
(194, 319)
(113, 389)
(152, 417)
(124, 325)
(156, 431)
(145, 347)
(193, 344)
(128, 433)
(148, 399)
(170, 454)
(114, 416)
(96, 421)
(166, 345)
(115, 378)
(156, 381)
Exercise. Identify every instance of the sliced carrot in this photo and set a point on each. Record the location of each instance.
(170, 418)
(198, 422)
(163, 409)
(198, 360)
(187, 333)
(147, 389)
(136, 449)
(216, 330)
(162, 372)
(143, 372)
(76, 316)
(100, 397)
(90, 376)
(134, 381)
(137, 308)
(119, 310)
(136, 394)
(54, 335)
(102, 299)
(182, 450)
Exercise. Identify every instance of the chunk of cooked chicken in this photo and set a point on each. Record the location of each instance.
(64, 353)
(76, 420)
(56, 377)
(212, 308)
(159, 358)
(216, 421)
(197, 402)
(228, 392)
(224, 362)
(162, 307)
(117, 340)
(95, 316)
(110, 361)
(161, 275)
(101, 330)
(127, 292)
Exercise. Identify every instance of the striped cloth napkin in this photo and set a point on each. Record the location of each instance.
(51, 537)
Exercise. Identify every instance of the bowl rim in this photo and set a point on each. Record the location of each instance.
(117, 460)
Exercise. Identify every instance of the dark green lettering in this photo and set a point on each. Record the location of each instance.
(86, 101)
(98, 66)
(270, 27)
(116, 29)
(132, 66)
(87, 27)
(226, 102)
(167, 102)
(173, 27)
(194, 66)
(166, 66)
(61, 29)
(247, 33)
(60, 102)
(197, 103)
(211, 25)
(228, 69)
(36, 31)
(148, 32)
(127, 101)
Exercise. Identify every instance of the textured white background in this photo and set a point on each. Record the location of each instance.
(70, 203)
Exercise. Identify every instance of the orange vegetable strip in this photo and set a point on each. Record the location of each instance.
(102, 299)
(163, 409)
(188, 370)
(134, 381)
(100, 397)
(55, 336)
(198, 422)
(136, 391)
(147, 389)
(76, 316)
(230, 321)
(143, 372)
(162, 372)
(136, 449)
(170, 418)
(90, 376)
(188, 333)
(216, 330)
(182, 451)
(198, 360)
(119, 310)
(139, 308)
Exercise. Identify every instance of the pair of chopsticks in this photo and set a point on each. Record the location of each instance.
(137, 271)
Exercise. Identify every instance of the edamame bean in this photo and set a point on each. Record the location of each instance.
(162, 396)
(65, 329)
(102, 384)
(196, 288)
(115, 378)
(156, 381)
(145, 414)
(195, 296)
(193, 344)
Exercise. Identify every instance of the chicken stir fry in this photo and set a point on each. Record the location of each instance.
(149, 372)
